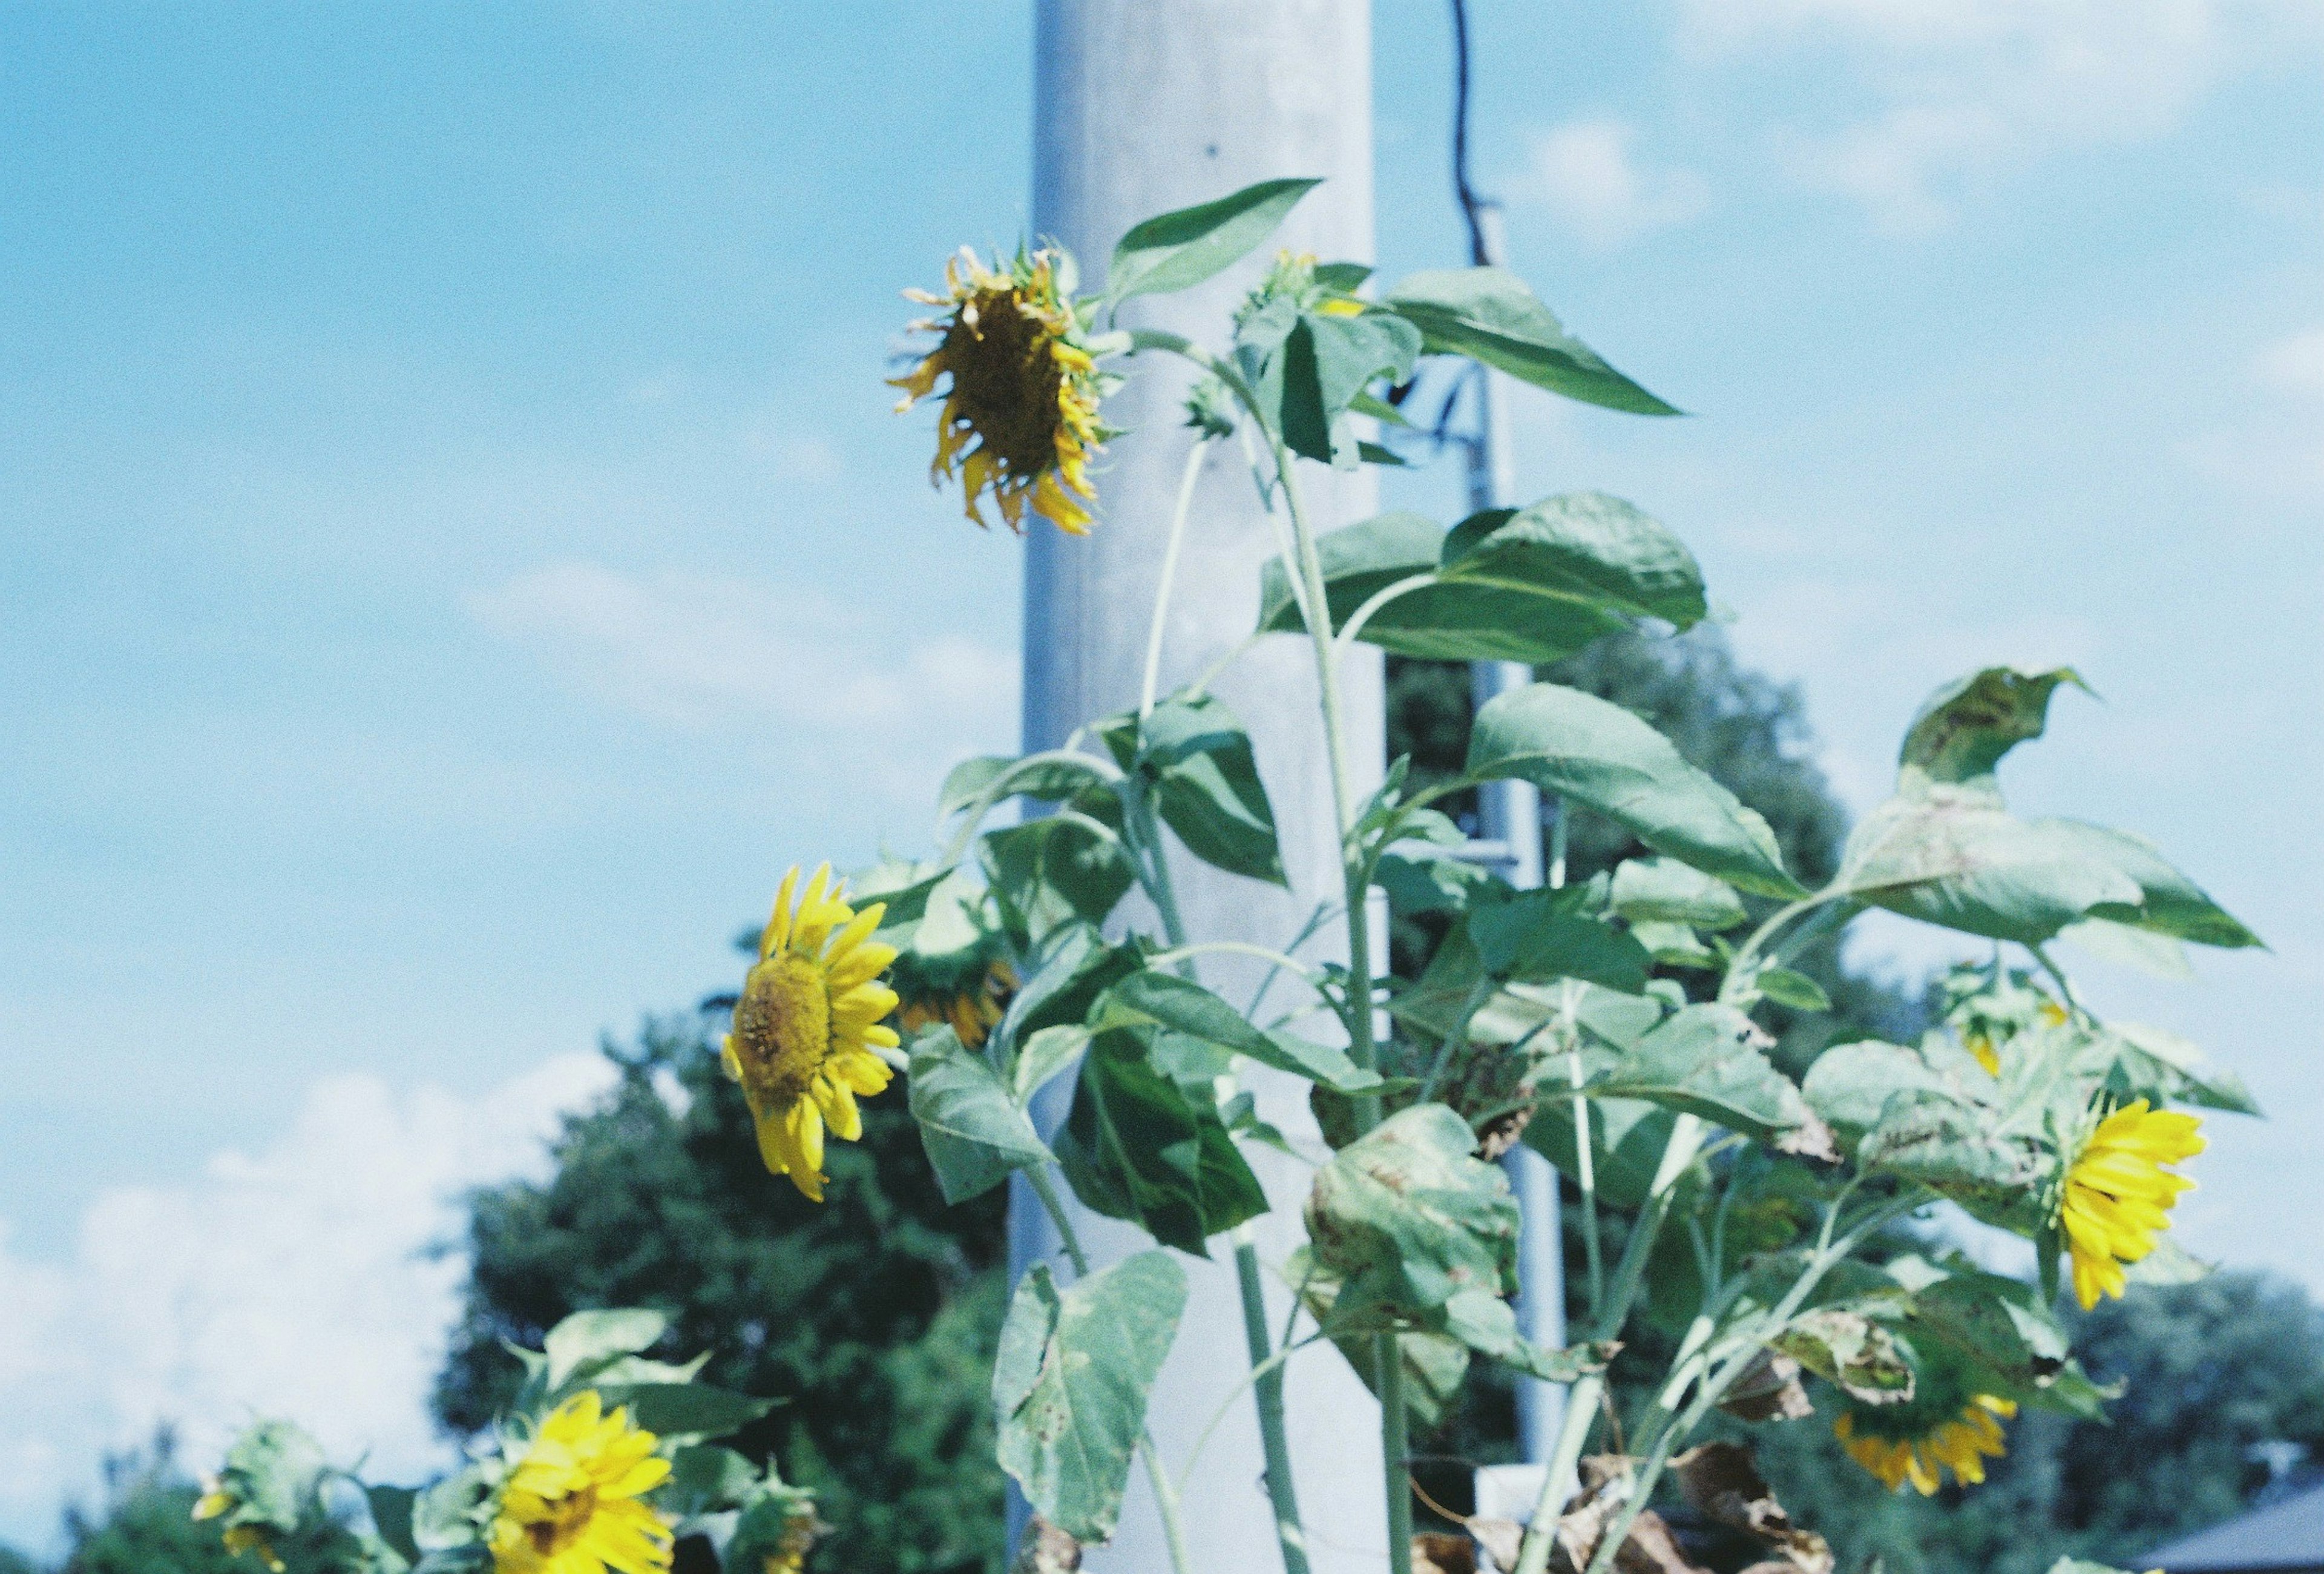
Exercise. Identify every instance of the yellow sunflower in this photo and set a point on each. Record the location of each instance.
(807, 1023)
(2119, 1195)
(239, 1539)
(972, 1012)
(1981, 1044)
(1020, 416)
(1961, 1445)
(572, 1503)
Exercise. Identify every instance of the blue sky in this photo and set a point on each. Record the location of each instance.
(455, 549)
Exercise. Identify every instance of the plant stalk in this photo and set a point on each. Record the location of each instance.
(1267, 1389)
(1193, 472)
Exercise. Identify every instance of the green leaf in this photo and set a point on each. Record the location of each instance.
(1666, 891)
(588, 1341)
(443, 1516)
(391, 1516)
(1204, 779)
(1534, 938)
(1065, 972)
(2169, 903)
(1599, 755)
(1407, 1215)
(1711, 1060)
(1178, 250)
(1137, 1147)
(1796, 990)
(1952, 856)
(704, 1479)
(1964, 728)
(1584, 547)
(1955, 1149)
(974, 1132)
(1050, 873)
(1490, 315)
(1052, 781)
(1446, 621)
(686, 1412)
(1674, 944)
(1306, 368)
(1071, 1381)
(1041, 1056)
(1163, 1000)
(1424, 885)
(2162, 1067)
(1627, 1138)
(1849, 1084)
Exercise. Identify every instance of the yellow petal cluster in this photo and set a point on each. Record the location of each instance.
(1961, 1445)
(806, 1025)
(239, 1539)
(2119, 1195)
(1021, 412)
(572, 1502)
(971, 1013)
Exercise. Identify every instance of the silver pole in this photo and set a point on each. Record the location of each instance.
(1510, 813)
(1143, 106)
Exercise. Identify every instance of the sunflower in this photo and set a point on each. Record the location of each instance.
(1024, 392)
(1961, 1443)
(807, 1023)
(2119, 1195)
(571, 1503)
(972, 1010)
(217, 1499)
(1984, 1046)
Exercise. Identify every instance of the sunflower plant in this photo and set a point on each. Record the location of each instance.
(604, 1462)
(1799, 1228)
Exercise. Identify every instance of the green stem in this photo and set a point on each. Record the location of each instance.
(1170, 575)
(1283, 962)
(1165, 1496)
(1267, 1389)
(1738, 969)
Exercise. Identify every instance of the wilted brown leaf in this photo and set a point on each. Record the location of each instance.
(1045, 1550)
(1769, 1390)
(1433, 1552)
(1718, 1479)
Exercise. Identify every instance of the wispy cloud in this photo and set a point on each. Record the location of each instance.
(298, 1280)
(1586, 173)
(1962, 89)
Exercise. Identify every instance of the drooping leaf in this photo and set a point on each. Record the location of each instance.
(1204, 779)
(993, 777)
(1165, 1000)
(1407, 1215)
(1492, 316)
(975, 1134)
(1849, 1084)
(391, 1516)
(1963, 729)
(1584, 547)
(1796, 990)
(1850, 1350)
(1306, 368)
(2163, 1068)
(1712, 1060)
(1666, 891)
(684, 1411)
(1065, 972)
(1180, 249)
(1071, 1381)
(1955, 1148)
(1137, 1147)
(2169, 902)
(1053, 872)
(1952, 856)
(588, 1341)
(1599, 755)
(1041, 1056)
(1417, 885)
(1467, 621)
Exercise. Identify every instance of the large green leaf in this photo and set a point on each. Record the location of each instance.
(1450, 621)
(1407, 1215)
(1306, 368)
(993, 777)
(1627, 1138)
(1535, 937)
(1492, 316)
(1712, 1060)
(1952, 856)
(686, 1412)
(588, 1341)
(1581, 546)
(1963, 729)
(1070, 1385)
(975, 1132)
(1599, 755)
(1666, 891)
(1138, 1146)
(1180, 249)
(2169, 902)
(1198, 763)
(1850, 1084)
(1156, 999)
(1053, 872)
(1995, 1172)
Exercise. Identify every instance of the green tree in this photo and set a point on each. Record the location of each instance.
(874, 1315)
(145, 1524)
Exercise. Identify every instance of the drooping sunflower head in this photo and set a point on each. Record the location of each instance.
(573, 1501)
(1919, 1448)
(807, 1025)
(972, 1007)
(1020, 410)
(2118, 1192)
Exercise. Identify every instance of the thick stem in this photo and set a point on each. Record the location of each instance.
(1395, 1450)
(1169, 574)
(1266, 1390)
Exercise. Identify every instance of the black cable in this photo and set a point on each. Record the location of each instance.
(1469, 201)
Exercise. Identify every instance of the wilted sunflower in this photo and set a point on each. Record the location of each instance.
(1020, 417)
(1960, 1443)
(215, 1500)
(806, 1024)
(571, 1503)
(2118, 1196)
(972, 1009)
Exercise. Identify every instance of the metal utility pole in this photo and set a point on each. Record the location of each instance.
(1143, 106)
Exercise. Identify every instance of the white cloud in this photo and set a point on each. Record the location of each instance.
(1584, 172)
(698, 653)
(1964, 88)
(2292, 365)
(302, 1280)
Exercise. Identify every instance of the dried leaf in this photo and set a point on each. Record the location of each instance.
(1502, 1132)
(1718, 1479)
(1046, 1549)
(1648, 1549)
(1500, 1539)
(1769, 1390)
(1433, 1552)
